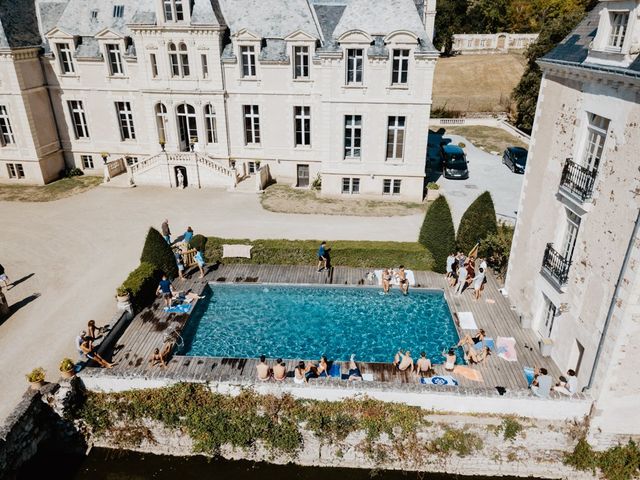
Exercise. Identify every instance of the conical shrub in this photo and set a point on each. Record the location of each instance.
(437, 233)
(477, 223)
(158, 252)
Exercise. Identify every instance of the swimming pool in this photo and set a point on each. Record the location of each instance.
(245, 321)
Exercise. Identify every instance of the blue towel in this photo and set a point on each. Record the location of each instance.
(528, 374)
(335, 370)
(487, 342)
(183, 308)
(440, 380)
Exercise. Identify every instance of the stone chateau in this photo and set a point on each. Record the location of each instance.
(210, 91)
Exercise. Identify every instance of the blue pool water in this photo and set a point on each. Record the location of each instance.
(306, 322)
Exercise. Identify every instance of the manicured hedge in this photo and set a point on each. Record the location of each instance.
(157, 252)
(142, 284)
(362, 254)
(477, 223)
(437, 233)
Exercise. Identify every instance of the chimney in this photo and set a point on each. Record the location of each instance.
(429, 17)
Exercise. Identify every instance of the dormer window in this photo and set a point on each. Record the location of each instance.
(248, 58)
(173, 10)
(300, 62)
(115, 59)
(618, 22)
(118, 11)
(65, 58)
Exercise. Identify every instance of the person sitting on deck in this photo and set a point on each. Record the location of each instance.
(79, 340)
(279, 370)
(299, 373)
(354, 371)
(403, 280)
(542, 382)
(166, 289)
(403, 361)
(323, 366)
(471, 341)
(311, 371)
(568, 385)
(264, 372)
(450, 359)
(93, 331)
(386, 280)
(88, 350)
(474, 357)
(160, 355)
(423, 365)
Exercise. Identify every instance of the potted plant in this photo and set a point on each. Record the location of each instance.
(67, 368)
(36, 378)
(122, 294)
(433, 191)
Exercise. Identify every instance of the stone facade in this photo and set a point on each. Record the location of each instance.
(573, 274)
(239, 82)
(477, 43)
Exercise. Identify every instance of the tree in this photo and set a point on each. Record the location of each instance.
(158, 252)
(451, 19)
(437, 233)
(477, 223)
(488, 16)
(496, 248)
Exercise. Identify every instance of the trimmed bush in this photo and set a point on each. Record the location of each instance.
(478, 222)
(199, 242)
(158, 252)
(142, 284)
(343, 253)
(437, 234)
(497, 247)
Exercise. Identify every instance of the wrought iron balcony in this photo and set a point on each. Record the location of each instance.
(555, 265)
(578, 180)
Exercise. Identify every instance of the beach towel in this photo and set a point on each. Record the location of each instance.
(468, 373)
(394, 281)
(506, 348)
(367, 377)
(236, 251)
(335, 370)
(183, 308)
(467, 322)
(487, 342)
(440, 380)
(528, 374)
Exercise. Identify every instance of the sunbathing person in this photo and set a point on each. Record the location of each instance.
(311, 371)
(450, 359)
(87, 348)
(386, 280)
(264, 372)
(299, 373)
(354, 371)
(279, 370)
(423, 365)
(474, 356)
(402, 279)
(160, 355)
(403, 361)
(471, 341)
(156, 359)
(323, 366)
(187, 297)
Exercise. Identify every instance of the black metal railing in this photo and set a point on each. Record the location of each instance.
(578, 180)
(554, 264)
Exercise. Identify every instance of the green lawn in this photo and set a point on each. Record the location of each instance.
(363, 254)
(47, 193)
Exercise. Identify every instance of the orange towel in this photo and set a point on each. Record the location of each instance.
(468, 373)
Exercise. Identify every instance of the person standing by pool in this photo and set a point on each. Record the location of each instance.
(322, 256)
(180, 264)
(462, 279)
(166, 232)
(478, 281)
(280, 370)
(264, 372)
(386, 280)
(166, 290)
(451, 259)
(199, 258)
(402, 279)
(188, 235)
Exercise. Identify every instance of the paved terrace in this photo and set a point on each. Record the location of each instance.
(148, 329)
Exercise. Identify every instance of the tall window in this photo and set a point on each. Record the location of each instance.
(173, 10)
(125, 119)
(6, 132)
(173, 59)
(65, 58)
(352, 136)
(549, 316)
(251, 124)
(400, 67)
(179, 10)
(168, 10)
(210, 123)
(184, 60)
(300, 62)
(87, 161)
(395, 138)
(391, 186)
(354, 65)
(78, 119)
(350, 186)
(115, 59)
(15, 170)
(570, 235)
(619, 22)
(161, 122)
(248, 57)
(205, 65)
(187, 125)
(596, 136)
(154, 65)
(302, 125)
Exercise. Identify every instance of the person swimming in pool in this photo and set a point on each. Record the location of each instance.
(354, 371)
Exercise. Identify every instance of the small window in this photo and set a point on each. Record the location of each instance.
(15, 170)
(350, 186)
(391, 186)
(94, 15)
(131, 161)
(619, 22)
(396, 186)
(154, 65)
(87, 161)
(251, 167)
(6, 132)
(118, 11)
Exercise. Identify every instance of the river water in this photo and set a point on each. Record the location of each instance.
(103, 464)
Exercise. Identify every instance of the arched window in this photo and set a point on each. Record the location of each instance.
(161, 122)
(173, 10)
(187, 125)
(184, 60)
(173, 60)
(210, 123)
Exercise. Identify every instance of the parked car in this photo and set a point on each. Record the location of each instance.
(454, 162)
(515, 158)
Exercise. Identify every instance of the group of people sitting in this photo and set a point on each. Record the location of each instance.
(302, 372)
(85, 341)
(461, 272)
(400, 274)
(543, 383)
(472, 354)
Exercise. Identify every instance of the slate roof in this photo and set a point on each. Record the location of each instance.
(18, 24)
(574, 49)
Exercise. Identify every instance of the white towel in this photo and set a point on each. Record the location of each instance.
(467, 322)
(243, 251)
(394, 280)
(367, 377)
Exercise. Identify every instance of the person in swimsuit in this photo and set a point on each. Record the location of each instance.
(88, 350)
(264, 372)
(299, 373)
(471, 341)
(311, 371)
(156, 359)
(423, 365)
(199, 258)
(279, 370)
(386, 280)
(402, 278)
(450, 359)
(323, 367)
(475, 357)
(403, 361)
(92, 331)
(354, 371)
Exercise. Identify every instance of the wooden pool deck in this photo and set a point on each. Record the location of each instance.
(492, 312)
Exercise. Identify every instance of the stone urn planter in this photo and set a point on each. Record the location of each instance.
(124, 300)
(67, 368)
(433, 191)
(36, 378)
